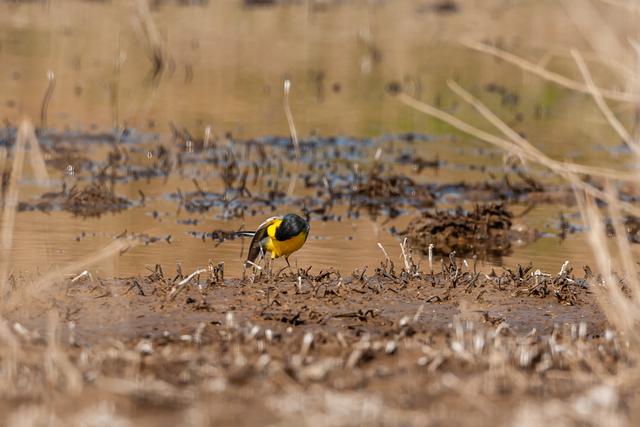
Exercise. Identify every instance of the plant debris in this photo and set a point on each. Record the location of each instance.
(480, 231)
(91, 201)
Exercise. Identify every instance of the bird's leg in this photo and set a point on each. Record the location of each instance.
(286, 258)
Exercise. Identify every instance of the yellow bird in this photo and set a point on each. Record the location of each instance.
(280, 236)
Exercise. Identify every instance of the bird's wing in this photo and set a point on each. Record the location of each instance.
(267, 222)
(261, 233)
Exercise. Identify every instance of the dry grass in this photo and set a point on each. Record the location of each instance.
(46, 99)
(11, 203)
(294, 135)
(615, 124)
(39, 288)
(289, 115)
(36, 158)
(549, 75)
(521, 148)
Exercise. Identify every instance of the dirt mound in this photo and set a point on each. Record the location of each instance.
(94, 200)
(483, 230)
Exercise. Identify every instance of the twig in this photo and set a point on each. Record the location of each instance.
(207, 138)
(431, 246)
(287, 112)
(407, 266)
(81, 275)
(386, 255)
(46, 99)
(184, 281)
(253, 264)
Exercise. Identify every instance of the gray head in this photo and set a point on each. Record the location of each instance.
(291, 226)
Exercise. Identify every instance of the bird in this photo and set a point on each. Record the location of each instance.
(280, 236)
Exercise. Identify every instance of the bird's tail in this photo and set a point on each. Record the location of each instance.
(245, 233)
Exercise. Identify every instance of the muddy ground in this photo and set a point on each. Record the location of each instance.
(437, 336)
(397, 345)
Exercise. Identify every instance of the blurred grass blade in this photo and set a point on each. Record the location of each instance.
(11, 203)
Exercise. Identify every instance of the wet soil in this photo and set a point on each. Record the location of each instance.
(318, 346)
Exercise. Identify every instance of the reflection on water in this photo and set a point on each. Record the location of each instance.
(226, 69)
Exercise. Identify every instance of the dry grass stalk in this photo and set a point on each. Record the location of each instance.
(207, 138)
(179, 286)
(44, 108)
(620, 68)
(403, 248)
(11, 203)
(294, 136)
(384, 251)
(157, 51)
(546, 74)
(585, 17)
(290, 122)
(602, 105)
(624, 248)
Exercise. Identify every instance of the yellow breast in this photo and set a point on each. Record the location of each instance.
(280, 248)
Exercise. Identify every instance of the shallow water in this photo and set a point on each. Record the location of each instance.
(228, 63)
